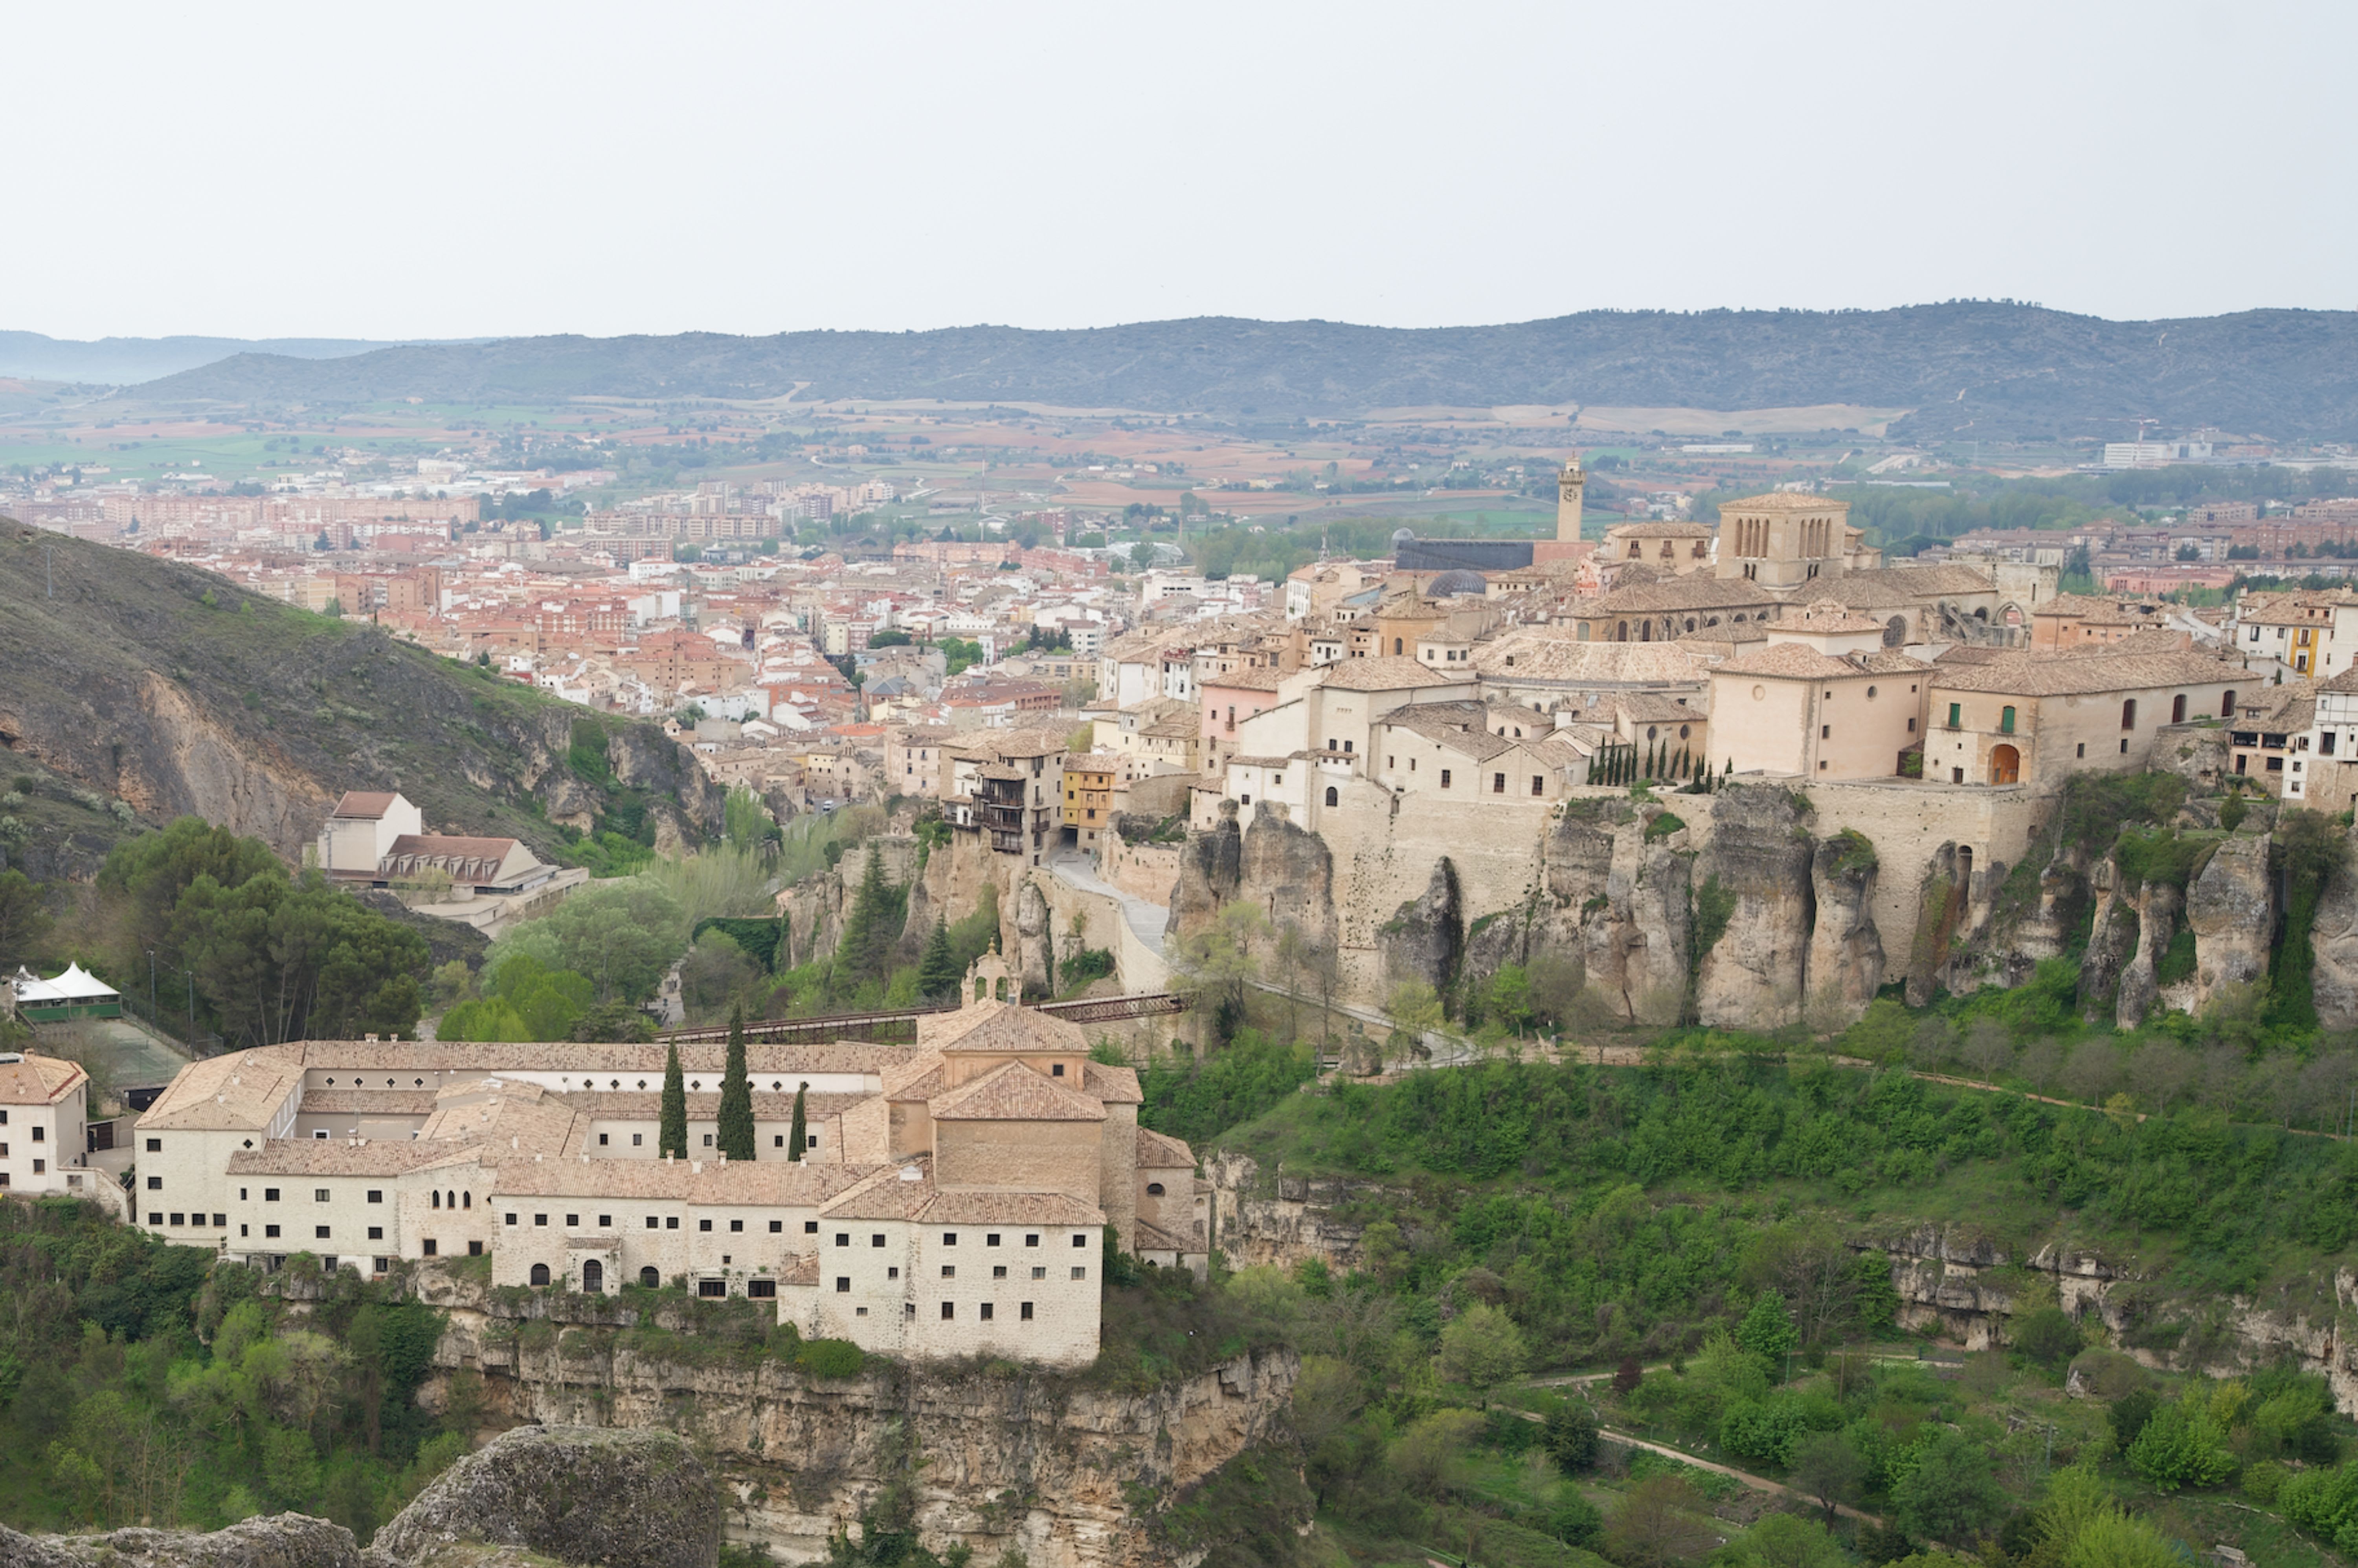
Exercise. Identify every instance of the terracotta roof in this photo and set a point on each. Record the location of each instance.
(1160, 1151)
(890, 1193)
(368, 1102)
(38, 1080)
(1557, 658)
(1784, 501)
(1007, 1208)
(1000, 1026)
(338, 1157)
(2097, 670)
(1385, 672)
(1791, 661)
(1015, 1093)
(1110, 1084)
(1665, 528)
(1147, 1237)
(1828, 616)
(408, 1058)
(1696, 590)
(241, 1090)
(792, 1184)
(365, 805)
(1259, 678)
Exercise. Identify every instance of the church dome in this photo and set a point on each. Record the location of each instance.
(1450, 584)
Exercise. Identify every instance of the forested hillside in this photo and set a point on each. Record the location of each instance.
(2001, 369)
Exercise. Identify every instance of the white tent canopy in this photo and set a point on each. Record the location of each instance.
(76, 985)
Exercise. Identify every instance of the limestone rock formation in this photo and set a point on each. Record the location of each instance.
(2230, 905)
(1634, 932)
(1032, 937)
(1426, 938)
(1284, 867)
(2333, 945)
(278, 1541)
(617, 1498)
(1760, 855)
(2159, 906)
(1845, 963)
(2112, 939)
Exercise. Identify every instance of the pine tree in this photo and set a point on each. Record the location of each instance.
(937, 971)
(671, 1132)
(735, 1135)
(865, 949)
(797, 1138)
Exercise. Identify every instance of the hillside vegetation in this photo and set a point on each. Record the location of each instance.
(168, 688)
(2004, 369)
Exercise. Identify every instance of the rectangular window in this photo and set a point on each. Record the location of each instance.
(736, 1225)
(605, 1222)
(1081, 1239)
(1825, 731)
(376, 1195)
(1497, 783)
(154, 1184)
(269, 1232)
(949, 1239)
(601, 1140)
(1539, 784)
(843, 1284)
(432, 1249)
(1079, 1272)
(949, 1270)
(1445, 778)
(810, 1228)
(708, 1140)
(777, 1227)
(711, 1288)
(778, 1140)
(999, 1270)
(653, 1223)
(949, 1311)
(540, 1220)
(572, 1222)
(986, 1312)
(319, 1233)
(319, 1194)
(762, 1290)
(376, 1233)
(671, 1222)
(876, 1238)
(638, 1139)
(704, 1225)
(1956, 714)
(1031, 1239)
(220, 1221)
(382, 1265)
(154, 1146)
(179, 1219)
(1038, 1272)
(843, 1238)
(1024, 1312)
(270, 1195)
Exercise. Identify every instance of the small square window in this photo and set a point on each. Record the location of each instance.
(949, 1238)
(511, 1219)
(999, 1270)
(949, 1270)
(1031, 1239)
(991, 1239)
(949, 1311)
(319, 1232)
(810, 1228)
(876, 1238)
(736, 1225)
(572, 1222)
(376, 1195)
(431, 1249)
(894, 1272)
(704, 1225)
(601, 1140)
(638, 1139)
(221, 1222)
(843, 1238)
(179, 1219)
(270, 1195)
(540, 1220)
(1024, 1312)
(376, 1233)
(986, 1312)
(1079, 1272)
(777, 1227)
(269, 1232)
(154, 1184)
(605, 1222)
(1080, 1238)
(1038, 1272)
(154, 1146)
(671, 1222)
(843, 1284)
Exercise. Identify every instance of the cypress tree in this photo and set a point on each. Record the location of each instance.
(671, 1132)
(937, 971)
(797, 1139)
(735, 1135)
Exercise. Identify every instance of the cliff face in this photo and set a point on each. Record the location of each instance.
(1761, 857)
(1845, 963)
(174, 691)
(1065, 1473)
(1284, 867)
(2230, 905)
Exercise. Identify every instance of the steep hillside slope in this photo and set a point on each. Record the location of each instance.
(1997, 369)
(171, 689)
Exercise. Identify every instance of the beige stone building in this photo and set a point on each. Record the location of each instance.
(2035, 718)
(953, 1200)
(44, 1121)
(1820, 699)
(1672, 548)
(1785, 541)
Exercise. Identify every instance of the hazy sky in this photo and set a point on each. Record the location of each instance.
(417, 170)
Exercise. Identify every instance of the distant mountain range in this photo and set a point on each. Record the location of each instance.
(123, 361)
(1980, 369)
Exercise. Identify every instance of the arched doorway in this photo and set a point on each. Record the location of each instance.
(593, 1277)
(540, 1273)
(650, 1279)
(1895, 632)
(2006, 765)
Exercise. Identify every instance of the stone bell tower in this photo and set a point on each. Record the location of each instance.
(1568, 484)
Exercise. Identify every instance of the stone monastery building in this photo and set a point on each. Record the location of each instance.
(953, 1199)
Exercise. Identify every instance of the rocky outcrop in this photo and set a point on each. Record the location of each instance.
(1761, 856)
(1284, 869)
(1633, 934)
(2158, 907)
(619, 1499)
(1038, 1461)
(2333, 945)
(2112, 939)
(1845, 961)
(278, 1540)
(1034, 939)
(1426, 937)
(2231, 906)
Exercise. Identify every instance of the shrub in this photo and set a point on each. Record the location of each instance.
(830, 1358)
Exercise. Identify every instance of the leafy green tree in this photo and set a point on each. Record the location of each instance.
(1482, 1348)
(735, 1134)
(2182, 1445)
(1827, 1466)
(798, 1136)
(671, 1132)
(1951, 1494)
(23, 919)
(624, 933)
(746, 820)
(864, 953)
(1768, 1333)
(938, 972)
(1571, 1437)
